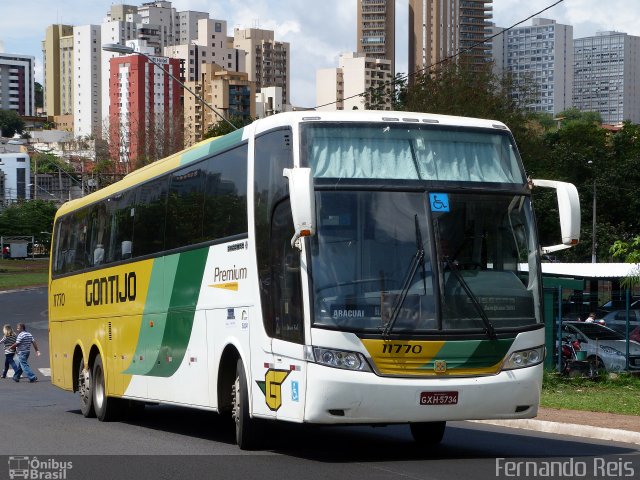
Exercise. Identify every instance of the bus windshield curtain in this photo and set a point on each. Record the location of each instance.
(452, 156)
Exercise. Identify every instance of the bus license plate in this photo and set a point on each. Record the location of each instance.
(438, 398)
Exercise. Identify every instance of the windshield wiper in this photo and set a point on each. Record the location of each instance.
(489, 328)
(417, 260)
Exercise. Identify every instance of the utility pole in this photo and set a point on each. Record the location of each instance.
(593, 225)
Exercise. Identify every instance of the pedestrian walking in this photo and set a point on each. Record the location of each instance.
(8, 340)
(24, 340)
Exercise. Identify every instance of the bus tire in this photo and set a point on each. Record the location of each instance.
(428, 433)
(85, 388)
(245, 426)
(107, 408)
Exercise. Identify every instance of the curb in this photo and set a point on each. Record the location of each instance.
(585, 431)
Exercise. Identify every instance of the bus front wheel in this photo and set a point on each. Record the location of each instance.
(246, 434)
(85, 388)
(106, 408)
(428, 433)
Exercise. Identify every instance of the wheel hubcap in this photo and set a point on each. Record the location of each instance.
(84, 384)
(235, 409)
(99, 387)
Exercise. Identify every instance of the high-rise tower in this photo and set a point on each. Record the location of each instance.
(376, 30)
(439, 29)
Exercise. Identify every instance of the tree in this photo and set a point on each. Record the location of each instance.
(223, 127)
(39, 94)
(10, 123)
(628, 251)
(389, 94)
(33, 218)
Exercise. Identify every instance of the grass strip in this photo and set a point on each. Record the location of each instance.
(612, 394)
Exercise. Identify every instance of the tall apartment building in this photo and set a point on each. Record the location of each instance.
(439, 29)
(87, 81)
(267, 60)
(58, 64)
(376, 30)
(212, 45)
(339, 88)
(231, 94)
(145, 112)
(187, 26)
(540, 57)
(17, 83)
(155, 24)
(607, 76)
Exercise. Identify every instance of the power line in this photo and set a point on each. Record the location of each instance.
(446, 59)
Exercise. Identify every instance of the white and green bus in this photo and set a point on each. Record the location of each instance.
(312, 267)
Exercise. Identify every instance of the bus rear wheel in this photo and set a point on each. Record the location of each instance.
(428, 433)
(107, 408)
(85, 388)
(246, 432)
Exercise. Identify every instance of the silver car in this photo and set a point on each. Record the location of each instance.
(617, 320)
(604, 346)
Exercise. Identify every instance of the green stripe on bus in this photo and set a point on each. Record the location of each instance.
(470, 354)
(154, 318)
(210, 148)
(184, 297)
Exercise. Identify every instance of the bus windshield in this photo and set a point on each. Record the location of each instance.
(410, 152)
(385, 256)
(390, 260)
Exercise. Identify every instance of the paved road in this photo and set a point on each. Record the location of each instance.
(177, 443)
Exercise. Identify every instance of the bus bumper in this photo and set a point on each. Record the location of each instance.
(341, 396)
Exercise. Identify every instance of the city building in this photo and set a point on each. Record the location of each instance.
(442, 29)
(57, 55)
(87, 81)
(340, 88)
(15, 171)
(155, 24)
(376, 30)
(145, 108)
(607, 76)
(231, 94)
(187, 26)
(211, 45)
(540, 58)
(267, 60)
(269, 102)
(17, 83)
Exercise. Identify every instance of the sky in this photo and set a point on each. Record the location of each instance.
(318, 31)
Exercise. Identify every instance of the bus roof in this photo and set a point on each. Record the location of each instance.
(373, 116)
(217, 144)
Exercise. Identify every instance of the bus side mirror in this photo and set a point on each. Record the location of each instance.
(569, 210)
(303, 203)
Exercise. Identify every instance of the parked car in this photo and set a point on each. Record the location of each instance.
(617, 320)
(605, 347)
(612, 305)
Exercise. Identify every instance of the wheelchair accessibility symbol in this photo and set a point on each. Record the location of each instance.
(439, 202)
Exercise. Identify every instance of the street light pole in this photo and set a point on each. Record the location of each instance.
(123, 49)
(593, 225)
(593, 218)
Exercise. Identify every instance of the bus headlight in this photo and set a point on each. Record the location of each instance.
(524, 358)
(340, 359)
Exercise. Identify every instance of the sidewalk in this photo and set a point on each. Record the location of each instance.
(596, 425)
